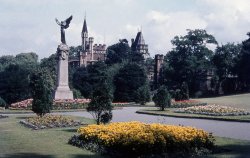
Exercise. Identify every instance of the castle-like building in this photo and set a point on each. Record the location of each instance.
(90, 52)
(138, 45)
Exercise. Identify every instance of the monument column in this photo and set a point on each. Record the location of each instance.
(62, 90)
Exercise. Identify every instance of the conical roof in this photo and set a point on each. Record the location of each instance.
(84, 28)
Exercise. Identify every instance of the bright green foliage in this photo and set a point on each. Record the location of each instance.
(100, 106)
(41, 87)
(162, 98)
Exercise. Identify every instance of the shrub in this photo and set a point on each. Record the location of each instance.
(162, 98)
(41, 85)
(138, 139)
(2, 102)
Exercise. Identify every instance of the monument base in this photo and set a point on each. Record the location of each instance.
(63, 93)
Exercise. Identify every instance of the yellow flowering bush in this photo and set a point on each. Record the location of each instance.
(136, 138)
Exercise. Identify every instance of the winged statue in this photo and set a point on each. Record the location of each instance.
(64, 25)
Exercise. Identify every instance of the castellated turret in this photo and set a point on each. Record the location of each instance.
(90, 52)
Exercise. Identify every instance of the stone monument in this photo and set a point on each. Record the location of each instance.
(62, 90)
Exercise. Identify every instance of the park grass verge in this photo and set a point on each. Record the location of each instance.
(18, 141)
(169, 112)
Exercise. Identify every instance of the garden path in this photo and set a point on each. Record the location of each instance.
(238, 130)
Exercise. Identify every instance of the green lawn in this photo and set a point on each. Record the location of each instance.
(17, 141)
(238, 101)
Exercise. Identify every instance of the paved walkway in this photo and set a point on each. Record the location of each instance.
(236, 130)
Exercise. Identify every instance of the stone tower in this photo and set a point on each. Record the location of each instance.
(90, 52)
(138, 45)
(84, 36)
(159, 59)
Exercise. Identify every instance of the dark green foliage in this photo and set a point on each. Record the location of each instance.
(50, 64)
(14, 83)
(118, 52)
(41, 88)
(86, 79)
(14, 80)
(142, 94)
(127, 82)
(77, 94)
(2, 102)
(162, 98)
(6, 61)
(182, 93)
(188, 59)
(226, 59)
(244, 65)
(100, 106)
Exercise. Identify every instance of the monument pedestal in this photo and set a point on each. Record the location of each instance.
(62, 90)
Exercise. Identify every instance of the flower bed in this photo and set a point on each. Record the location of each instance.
(186, 103)
(49, 121)
(214, 110)
(70, 104)
(138, 139)
(57, 104)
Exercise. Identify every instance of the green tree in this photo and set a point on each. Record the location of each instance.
(85, 79)
(2, 102)
(6, 61)
(118, 52)
(162, 98)
(41, 92)
(142, 94)
(100, 106)
(127, 82)
(50, 64)
(225, 60)
(243, 66)
(189, 58)
(14, 80)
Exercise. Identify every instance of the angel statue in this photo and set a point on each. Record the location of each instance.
(64, 25)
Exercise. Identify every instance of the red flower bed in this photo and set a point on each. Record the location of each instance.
(57, 104)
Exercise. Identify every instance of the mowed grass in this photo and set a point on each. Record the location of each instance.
(238, 101)
(17, 141)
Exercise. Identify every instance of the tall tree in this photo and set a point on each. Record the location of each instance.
(86, 79)
(162, 98)
(127, 82)
(50, 64)
(225, 59)
(189, 57)
(118, 52)
(100, 106)
(42, 89)
(244, 64)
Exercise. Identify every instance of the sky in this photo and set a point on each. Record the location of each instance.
(29, 25)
